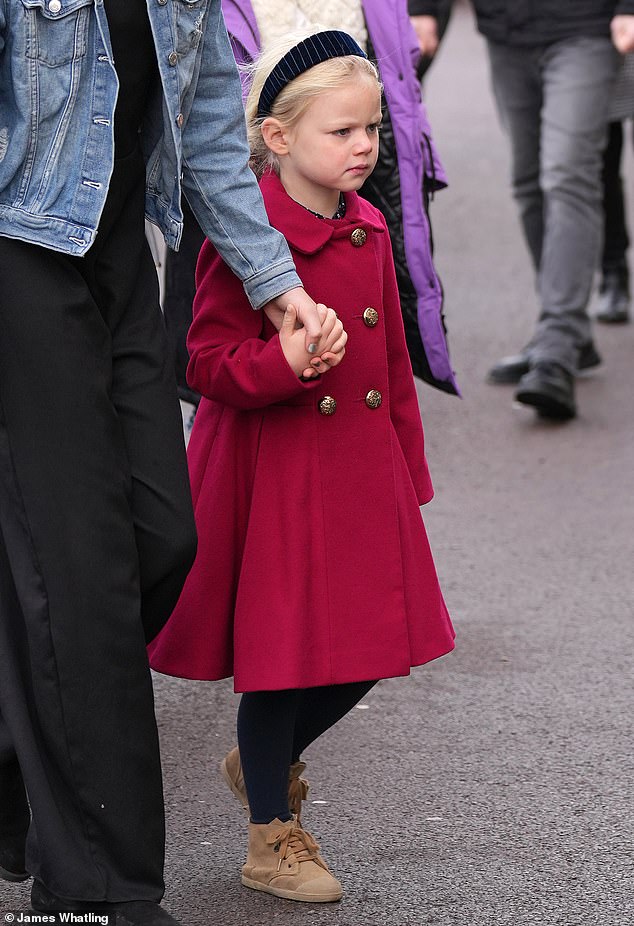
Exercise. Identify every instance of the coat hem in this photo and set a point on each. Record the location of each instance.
(339, 679)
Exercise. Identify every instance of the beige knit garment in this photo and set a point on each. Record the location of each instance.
(276, 18)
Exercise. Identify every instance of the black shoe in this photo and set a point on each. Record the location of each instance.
(132, 913)
(549, 389)
(12, 867)
(614, 298)
(509, 370)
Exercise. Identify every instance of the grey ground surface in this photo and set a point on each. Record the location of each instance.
(493, 787)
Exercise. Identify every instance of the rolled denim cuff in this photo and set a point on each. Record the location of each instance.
(270, 283)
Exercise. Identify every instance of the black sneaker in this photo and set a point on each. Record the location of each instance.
(614, 298)
(509, 370)
(549, 389)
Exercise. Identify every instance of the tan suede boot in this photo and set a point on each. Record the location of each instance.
(284, 860)
(231, 771)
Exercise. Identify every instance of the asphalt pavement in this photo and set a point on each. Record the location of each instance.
(493, 786)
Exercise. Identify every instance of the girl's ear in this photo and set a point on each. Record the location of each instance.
(275, 136)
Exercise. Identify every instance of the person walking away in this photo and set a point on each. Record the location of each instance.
(553, 69)
(311, 587)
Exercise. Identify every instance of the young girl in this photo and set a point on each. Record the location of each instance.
(314, 576)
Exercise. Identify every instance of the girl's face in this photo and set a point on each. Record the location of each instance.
(334, 145)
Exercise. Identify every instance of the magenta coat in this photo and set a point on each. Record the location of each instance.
(313, 564)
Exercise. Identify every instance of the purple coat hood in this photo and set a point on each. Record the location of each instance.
(396, 50)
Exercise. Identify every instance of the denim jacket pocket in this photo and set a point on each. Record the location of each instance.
(56, 30)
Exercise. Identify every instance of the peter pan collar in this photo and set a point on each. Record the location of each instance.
(304, 231)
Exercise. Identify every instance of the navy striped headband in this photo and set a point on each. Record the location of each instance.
(316, 48)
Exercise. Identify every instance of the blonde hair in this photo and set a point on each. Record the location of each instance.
(295, 98)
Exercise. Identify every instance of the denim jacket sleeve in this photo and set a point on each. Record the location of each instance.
(2, 25)
(220, 186)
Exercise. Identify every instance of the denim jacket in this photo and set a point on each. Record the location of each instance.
(58, 91)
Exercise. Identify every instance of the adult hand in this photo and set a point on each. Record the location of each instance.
(312, 316)
(292, 340)
(309, 314)
(426, 29)
(332, 345)
(622, 27)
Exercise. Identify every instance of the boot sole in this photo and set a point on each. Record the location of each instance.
(14, 876)
(613, 319)
(292, 895)
(512, 378)
(229, 782)
(547, 406)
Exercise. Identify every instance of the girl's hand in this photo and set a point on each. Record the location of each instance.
(310, 314)
(293, 343)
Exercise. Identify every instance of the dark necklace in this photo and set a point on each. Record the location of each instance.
(339, 214)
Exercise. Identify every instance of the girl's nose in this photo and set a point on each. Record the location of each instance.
(362, 143)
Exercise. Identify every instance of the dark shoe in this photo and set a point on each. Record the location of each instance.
(12, 867)
(509, 370)
(549, 389)
(614, 298)
(132, 913)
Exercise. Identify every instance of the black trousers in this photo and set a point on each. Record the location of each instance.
(97, 536)
(615, 239)
(178, 298)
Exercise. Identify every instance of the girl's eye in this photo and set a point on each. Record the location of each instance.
(342, 132)
(374, 127)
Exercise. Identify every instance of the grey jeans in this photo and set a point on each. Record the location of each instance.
(553, 102)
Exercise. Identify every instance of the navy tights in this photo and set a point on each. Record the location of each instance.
(274, 728)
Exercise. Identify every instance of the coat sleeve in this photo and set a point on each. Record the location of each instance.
(230, 361)
(404, 410)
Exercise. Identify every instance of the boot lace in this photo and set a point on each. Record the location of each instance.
(294, 840)
(297, 790)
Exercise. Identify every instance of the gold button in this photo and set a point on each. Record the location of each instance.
(359, 237)
(172, 59)
(373, 398)
(327, 405)
(54, 6)
(371, 317)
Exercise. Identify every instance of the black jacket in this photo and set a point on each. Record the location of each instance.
(537, 22)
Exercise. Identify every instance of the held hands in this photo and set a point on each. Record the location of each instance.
(622, 28)
(293, 343)
(322, 332)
